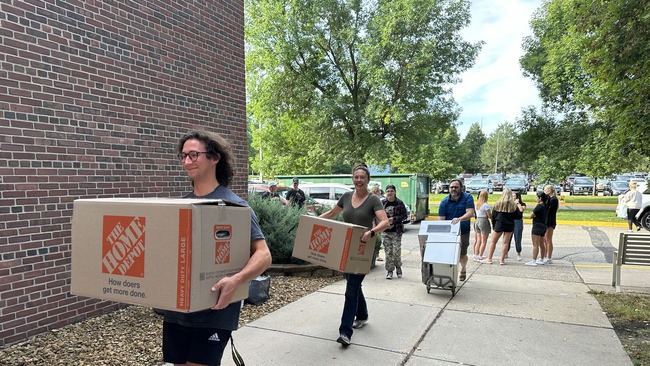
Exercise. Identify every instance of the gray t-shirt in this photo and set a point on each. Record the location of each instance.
(363, 215)
(227, 318)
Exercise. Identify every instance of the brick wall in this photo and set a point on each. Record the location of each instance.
(94, 96)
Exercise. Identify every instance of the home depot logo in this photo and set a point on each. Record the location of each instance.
(123, 245)
(222, 235)
(320, 238)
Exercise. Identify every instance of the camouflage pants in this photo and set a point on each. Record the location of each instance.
(393, 249)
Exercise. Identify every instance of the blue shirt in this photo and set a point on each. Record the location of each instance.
(450, 209)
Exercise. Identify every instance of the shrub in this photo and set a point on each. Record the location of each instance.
(279, 224)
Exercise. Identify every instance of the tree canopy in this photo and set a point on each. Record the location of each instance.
(592, 56)
(334, 81)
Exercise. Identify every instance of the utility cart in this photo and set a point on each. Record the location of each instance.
(440, 262)
(440, 250)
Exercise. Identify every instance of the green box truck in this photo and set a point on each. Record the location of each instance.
(412, 188)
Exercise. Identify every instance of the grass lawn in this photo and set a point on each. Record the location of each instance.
(630, 317)
(604, 216)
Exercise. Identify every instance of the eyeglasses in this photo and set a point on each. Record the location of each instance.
(192, 154)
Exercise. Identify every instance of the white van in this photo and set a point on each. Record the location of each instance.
(325, 193)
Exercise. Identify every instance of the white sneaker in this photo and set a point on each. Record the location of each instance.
(531, 263)
(540, 261)
(548, 260)
(518, 257)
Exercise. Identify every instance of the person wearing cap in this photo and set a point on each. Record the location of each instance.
(273, 194)
(295, 195)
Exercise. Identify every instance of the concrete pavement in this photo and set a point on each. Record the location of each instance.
(501, 315)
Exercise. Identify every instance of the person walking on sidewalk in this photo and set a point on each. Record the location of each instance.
(482, 226)
(458, 207)
(539, 215)
(503, 223)
(519, 223)
(633, 200)
(552, 204)
(199, 338)
(359, 207)
(392, 237)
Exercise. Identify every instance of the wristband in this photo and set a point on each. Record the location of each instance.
(372, 233)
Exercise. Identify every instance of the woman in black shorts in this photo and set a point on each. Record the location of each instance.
(539, 229)
(503, 222)
(552, 204)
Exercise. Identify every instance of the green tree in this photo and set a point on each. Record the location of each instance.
(592, 56)
(500, 149)
(470, 150)
(334, 81)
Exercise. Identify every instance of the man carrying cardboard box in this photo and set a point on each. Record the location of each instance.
(200, 338)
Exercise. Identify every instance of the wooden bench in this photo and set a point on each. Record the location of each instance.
(633, 249)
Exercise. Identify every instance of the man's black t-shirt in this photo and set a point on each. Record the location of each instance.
(296, 197)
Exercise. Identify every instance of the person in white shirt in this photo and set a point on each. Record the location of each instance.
(633, 200)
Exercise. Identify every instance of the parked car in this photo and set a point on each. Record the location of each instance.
(644, 213)
(497, 181)
(441, 187)
(558, 188)
(313, 208)
(477, 185)
(325, 193)
(516, 185)
(582, 185)
(618, 187)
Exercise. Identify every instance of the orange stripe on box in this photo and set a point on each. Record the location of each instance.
(346, 250)
(183, 280)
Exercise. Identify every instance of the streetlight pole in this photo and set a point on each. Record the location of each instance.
(496, 156)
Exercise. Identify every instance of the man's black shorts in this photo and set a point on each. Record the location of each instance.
(183, 344)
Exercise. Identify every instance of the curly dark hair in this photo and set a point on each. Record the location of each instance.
(216, 147)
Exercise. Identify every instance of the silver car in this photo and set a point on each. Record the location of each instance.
(477, 185)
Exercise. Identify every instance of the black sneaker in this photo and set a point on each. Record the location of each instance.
(389, 275)
(399, 272)
(344, 340)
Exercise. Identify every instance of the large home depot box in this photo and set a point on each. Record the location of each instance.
(160, 252)
(333, 244)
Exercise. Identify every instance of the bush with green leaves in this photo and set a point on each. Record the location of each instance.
(279, 224)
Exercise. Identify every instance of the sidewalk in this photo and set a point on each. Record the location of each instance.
(502, 315)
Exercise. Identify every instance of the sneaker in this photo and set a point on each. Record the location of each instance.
(389, 275)
(548, 261)
(359, 323)
(531, 263)
(638, 228)
(518, 257)
(540, 261)
(629, 231)
(399, 272)
(344, 340)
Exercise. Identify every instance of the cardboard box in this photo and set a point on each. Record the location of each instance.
(333, 244)
(160, 252)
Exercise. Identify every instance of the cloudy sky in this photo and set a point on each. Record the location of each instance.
(495, 90)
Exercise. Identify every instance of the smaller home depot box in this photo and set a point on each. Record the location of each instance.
(333, 244)
(160, 252)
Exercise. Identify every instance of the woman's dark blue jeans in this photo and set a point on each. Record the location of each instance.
(355, 303)
(517, 234)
